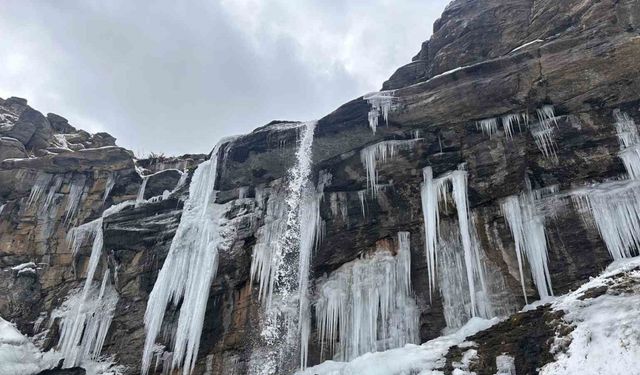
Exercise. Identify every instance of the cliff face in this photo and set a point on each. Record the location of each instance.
(490, 68)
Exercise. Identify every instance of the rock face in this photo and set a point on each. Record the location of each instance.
(487, 59)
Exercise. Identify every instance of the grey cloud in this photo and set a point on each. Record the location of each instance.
(175, 77)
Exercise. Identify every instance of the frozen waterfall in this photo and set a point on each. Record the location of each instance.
(189, 269)
(366, 305)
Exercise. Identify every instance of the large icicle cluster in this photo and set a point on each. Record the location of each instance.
(439, 191)
(189, 269)
(381, 103)
(380, 153)
(527, 222)
(366, 305)
(615, 208)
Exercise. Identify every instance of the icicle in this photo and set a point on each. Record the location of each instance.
(363, 202)
(380, 153)
(367, 304)
(615, 208)
(74, 198)
(381, 103)
(543, 132)
(243, 191)
(527, 227)
(141, 191)
(488, 126)
(509, 122)
(53, 189)
(39, 187)
(434, 192)
(626, 130)
(189, 269)
(111, 182)
(339, 207)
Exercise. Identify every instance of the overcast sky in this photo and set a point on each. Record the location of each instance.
(176, 76)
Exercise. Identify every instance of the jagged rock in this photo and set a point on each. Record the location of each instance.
(60, 124)
(11, 148)
(106, 158)
(160, 182)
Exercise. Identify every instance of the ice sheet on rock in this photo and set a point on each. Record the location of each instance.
(111, 182)
(381, 103)
(380, 153)
(18, 356)
(410, 359)
(629, 139)
(141, 191)
(366, 305)
(189, 269)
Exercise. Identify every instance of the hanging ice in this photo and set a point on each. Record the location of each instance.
(488, 126)
(510, 121)
(629, 143)
(380, 153)
(39, 187)
(615, 208)
(189, 269)
(74, 198)
(527, 227)
(366, 305)
(434, 192)
(543, 131)
(111, 182)
(86, 316)
(381, 103)
(141, 191)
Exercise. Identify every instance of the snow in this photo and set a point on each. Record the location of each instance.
(23, 266)
(366, 305)
(527, 45)
(506, 365)
(18, 356)
(526, 223)
(411, 359)
(606, 338)
(189, 269)
(380, 153)
(381, 103)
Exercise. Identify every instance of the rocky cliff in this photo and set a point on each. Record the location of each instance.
(526, 101)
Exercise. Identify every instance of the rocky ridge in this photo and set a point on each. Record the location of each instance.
(486, 59)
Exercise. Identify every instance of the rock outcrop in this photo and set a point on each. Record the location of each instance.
(488, 62)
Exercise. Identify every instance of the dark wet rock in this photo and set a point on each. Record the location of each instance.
(11, 148)
(160, 182)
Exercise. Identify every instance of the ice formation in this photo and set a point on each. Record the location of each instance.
(615, 208)
(189, 269)
(366, 305)
(543, 131)
(438, 191)
(141, 191)
(506, 365)
(488, 126)
(381, 153)
(74, 198)
(526, 223)
(111, 182)
(381, 103)
(339, 205)
(85, 320)
(510, 121)
(39, 187)
(629, 139)
(363, 202)
(282, 255)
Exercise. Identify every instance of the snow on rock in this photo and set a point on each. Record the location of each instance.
(606, 338)
(411, 359)
(18, 356)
